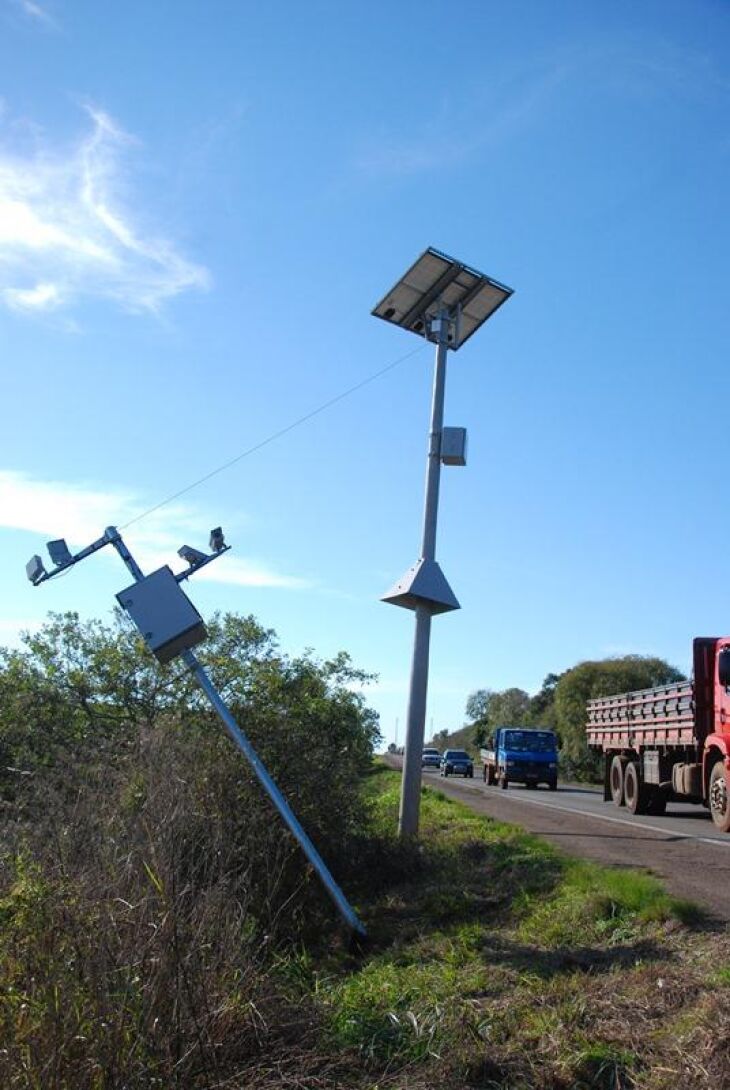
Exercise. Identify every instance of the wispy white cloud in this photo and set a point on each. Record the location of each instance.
(80, 513)
(633, 65)
(65, 235)
(452, 136)
(248, 573)
(45, 296)
(37, 13)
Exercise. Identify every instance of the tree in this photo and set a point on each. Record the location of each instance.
(592, 679)
(477, 709)
(541, 712)
(477, 705)
(510, 708)
(488, 710)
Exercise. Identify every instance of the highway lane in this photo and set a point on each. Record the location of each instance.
(682, 847)
(681, 819)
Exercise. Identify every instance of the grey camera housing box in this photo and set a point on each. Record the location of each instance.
(453, 446)
(163, 613)
(34, 569)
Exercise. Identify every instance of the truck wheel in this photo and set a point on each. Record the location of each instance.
(491, 778)
(636, 793)
(719, 801)
(553, 785)
(484, 772)
(617, 781)
(503, 782)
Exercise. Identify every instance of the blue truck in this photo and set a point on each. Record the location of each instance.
(521, 755)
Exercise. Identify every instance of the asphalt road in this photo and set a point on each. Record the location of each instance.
(681, 847)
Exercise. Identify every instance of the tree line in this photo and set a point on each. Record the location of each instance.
(560, 704)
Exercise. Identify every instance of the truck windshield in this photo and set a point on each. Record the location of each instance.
(535, 741)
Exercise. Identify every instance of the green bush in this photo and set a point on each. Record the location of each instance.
(146, 879)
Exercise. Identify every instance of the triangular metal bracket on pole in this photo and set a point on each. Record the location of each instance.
(424, 584)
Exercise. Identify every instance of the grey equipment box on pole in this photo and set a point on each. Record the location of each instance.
(453, 446)
(163, 613)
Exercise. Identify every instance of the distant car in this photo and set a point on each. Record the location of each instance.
(430, 758)
(456, 762)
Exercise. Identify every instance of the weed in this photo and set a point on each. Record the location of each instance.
(600, 905)
(603, 1066)
(721, 977)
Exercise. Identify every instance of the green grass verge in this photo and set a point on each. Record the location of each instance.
(497, 961)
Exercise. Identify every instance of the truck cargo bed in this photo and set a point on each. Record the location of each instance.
(664, 715)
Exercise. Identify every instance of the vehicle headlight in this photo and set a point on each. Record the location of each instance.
(552, 765)
(511, 764)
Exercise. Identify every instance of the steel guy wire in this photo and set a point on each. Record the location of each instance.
(275, 435)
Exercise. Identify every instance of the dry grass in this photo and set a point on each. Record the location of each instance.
(141, 908)
(500, 964)
(156, 930)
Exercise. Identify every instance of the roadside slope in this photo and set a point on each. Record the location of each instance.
(499, 963)
(689, 867)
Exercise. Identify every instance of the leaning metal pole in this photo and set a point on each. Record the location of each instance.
(269, 786)
(416, 720)
(262, 774)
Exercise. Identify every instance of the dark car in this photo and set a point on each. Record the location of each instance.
(430, 758)
(456, 762)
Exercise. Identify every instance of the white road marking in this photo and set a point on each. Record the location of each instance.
(604, 817)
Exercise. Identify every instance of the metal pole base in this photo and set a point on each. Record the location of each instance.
(410, 798)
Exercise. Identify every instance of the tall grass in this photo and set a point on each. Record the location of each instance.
(500, 962)
(140, 909)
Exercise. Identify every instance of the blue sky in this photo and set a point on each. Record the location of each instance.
(200, 204)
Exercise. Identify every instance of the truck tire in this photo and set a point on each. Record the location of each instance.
(484, 772)
(718, 797)
(616, 779)
(636, 792)
(553, 785)
(503, 781)
(491, 778)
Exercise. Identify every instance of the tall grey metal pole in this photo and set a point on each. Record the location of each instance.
(411, 304)
(416, 721)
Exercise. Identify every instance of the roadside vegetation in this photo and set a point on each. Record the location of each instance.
(159, 929)
(500, 963)
(146, 886)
